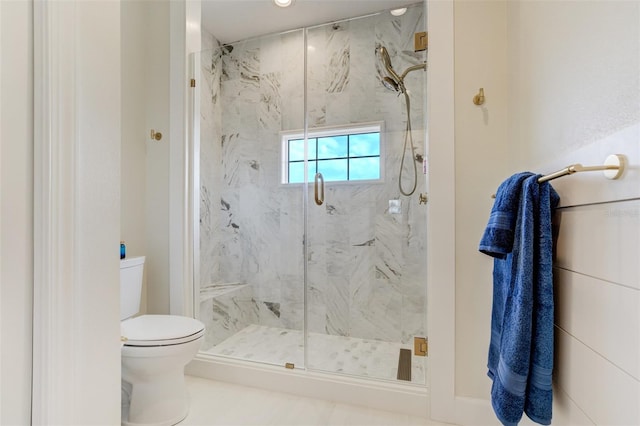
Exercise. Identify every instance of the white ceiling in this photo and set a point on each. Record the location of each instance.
(234, 20)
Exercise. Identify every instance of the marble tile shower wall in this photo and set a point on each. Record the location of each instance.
(366, 266)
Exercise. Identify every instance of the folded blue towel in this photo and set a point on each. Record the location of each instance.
(497, 240)
(521, 348)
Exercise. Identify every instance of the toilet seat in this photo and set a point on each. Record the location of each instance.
(160, 330)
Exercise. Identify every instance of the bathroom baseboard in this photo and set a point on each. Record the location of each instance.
(400, 398)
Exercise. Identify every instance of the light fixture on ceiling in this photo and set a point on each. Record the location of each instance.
(283, 3)
(398, 12)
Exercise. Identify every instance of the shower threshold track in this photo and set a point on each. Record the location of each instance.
(336, 354)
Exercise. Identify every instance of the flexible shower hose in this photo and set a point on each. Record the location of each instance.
(408, 136)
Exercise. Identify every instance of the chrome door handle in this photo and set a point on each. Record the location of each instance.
(319, 196)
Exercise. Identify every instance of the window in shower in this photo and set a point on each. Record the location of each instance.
(340, 154)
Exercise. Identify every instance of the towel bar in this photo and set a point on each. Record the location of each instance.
(614, 163)
(612, 168)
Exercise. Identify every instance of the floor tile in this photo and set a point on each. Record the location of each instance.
(335, 354)
(225, 404)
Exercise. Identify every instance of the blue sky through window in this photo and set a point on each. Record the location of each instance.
(338, 157)
(332, 147)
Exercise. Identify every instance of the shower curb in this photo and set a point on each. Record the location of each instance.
(399, 398)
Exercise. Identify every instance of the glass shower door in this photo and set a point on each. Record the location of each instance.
(308, 255)
(366, 254)
(249, 254)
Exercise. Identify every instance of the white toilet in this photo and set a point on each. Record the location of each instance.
(155, 352)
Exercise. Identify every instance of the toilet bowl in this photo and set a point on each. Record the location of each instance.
(156, 349)
(153, 359)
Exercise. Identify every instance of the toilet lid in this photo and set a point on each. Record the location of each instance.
(159, 330)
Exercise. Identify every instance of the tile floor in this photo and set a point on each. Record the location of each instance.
(336, 354)
(217, 403)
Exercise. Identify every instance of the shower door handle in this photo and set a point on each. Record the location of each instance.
(319, 195)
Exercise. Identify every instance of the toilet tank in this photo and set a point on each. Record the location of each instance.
(130, 286)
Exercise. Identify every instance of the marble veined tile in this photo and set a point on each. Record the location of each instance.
(338, 52)
(243, 62)
(226, 309)
(270, 112)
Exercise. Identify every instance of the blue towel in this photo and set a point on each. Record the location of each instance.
(497, 240)
(521, 349)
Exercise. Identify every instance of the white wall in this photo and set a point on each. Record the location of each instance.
(76, 370)
(480, 164)
(16, 211)
(95, 395)
(597, 367)
(154, 97)
(562, 86)
(573, 75)
(134, 130)
(156, 76)
(145, 162)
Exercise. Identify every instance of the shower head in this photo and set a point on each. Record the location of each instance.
(392, 80)
(225, 49)
(390, 83)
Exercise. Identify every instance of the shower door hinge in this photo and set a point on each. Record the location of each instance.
(193, 82)
(420, 42)
(290, 365)
(420, 346)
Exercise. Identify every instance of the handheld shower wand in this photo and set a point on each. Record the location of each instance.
(395, 82)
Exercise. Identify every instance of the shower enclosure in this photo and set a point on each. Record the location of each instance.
(307, 255)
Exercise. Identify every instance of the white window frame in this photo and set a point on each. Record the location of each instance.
(328, 131)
